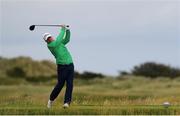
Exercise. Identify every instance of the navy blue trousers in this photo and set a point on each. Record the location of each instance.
(65, 74)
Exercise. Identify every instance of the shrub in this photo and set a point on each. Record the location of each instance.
(88, 75)
(153, 70)
(16, 72)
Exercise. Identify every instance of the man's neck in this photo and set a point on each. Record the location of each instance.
(50, 41)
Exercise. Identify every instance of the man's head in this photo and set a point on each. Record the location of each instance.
(47, 37)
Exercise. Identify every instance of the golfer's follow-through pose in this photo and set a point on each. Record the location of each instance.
(65, 67)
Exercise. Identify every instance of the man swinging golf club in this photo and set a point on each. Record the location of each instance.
(65, 67)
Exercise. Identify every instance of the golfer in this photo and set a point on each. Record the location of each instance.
(65, 67)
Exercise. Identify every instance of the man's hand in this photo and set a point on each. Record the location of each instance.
(67, 27)
(63, 26)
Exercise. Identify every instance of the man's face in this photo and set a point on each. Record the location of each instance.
(50, 39)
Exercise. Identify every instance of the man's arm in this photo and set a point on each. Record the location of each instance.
(67, 37)
(60, 36)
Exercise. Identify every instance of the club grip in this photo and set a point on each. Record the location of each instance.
(63, 25)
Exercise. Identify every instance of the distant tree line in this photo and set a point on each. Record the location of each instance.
(33, 70)
(88, 75)
(154, 70)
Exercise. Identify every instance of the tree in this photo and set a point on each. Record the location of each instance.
(154, 70)
(16, 72)
(91, 75)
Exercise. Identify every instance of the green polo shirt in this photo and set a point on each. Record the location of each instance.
(58, 48)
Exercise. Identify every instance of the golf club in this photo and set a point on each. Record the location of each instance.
(32, 27)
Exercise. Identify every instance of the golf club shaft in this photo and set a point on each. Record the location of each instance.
(53, 25)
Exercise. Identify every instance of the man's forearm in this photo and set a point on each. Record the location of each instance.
(61, 35)
(67, 37)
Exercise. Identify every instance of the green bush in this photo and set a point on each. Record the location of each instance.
(88, 75)
(154, 70)
(16, 72)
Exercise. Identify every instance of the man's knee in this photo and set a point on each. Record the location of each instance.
(69, 84)
(60, 84)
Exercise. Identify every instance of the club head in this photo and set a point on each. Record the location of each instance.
(32, 27)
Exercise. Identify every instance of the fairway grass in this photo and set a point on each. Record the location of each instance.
(86, 110)
(132, 97)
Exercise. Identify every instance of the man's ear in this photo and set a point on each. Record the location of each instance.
(46, 41)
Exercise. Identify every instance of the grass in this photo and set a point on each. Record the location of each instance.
(86, 110)
(133, 96)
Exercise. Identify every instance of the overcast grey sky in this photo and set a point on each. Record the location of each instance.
(107, 35)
